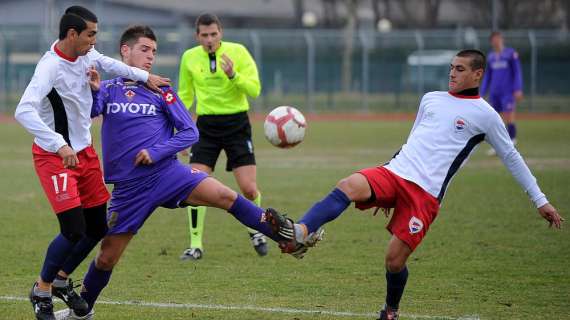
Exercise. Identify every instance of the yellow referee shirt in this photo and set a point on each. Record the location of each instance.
(215, 93)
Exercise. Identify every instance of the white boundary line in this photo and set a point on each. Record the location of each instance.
(255, 308)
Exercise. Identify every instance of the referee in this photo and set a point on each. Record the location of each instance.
(221, 75)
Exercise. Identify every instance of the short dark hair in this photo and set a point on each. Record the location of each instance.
(133, 33)
(74, 18)
(478, 59)
(207, 19)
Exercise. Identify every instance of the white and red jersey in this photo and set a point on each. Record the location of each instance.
(447, 129)
(56, 106)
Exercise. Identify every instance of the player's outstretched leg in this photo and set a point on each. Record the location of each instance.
(396, 277)
(210, 192)
(308, 229)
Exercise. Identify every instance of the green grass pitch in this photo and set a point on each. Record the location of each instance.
(487, 255)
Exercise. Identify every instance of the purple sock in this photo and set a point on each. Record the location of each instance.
(252, 216)
(325, 210)
(94, 282)
(512, 129)
(57, 253)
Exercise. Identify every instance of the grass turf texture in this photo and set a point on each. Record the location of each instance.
(488, 253)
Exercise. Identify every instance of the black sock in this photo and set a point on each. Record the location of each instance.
(396, 282)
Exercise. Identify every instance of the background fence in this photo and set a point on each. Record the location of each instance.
(390, 71)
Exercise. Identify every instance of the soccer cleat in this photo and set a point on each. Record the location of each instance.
(388, 314)
(43, 306)
(68, 314)
(259, 243)
(192, 254)
(71, 299)
(280, 225)
(491, 152)
(285, 228)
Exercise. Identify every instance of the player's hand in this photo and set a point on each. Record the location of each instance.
(143, 157)
(518, 95)
(154, 82)
(228, 66)
(94, 78)
(549, 213)
(68, 156)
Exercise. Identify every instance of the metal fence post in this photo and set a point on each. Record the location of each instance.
(533, 65)
(310, 71)
(257, 54)
(365, 70)
(3, 73)
(420, 44)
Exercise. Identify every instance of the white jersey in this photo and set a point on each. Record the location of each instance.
(447, 129)
(56, 106)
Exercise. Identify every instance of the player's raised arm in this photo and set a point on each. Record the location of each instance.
(119, 68)
(243, 73)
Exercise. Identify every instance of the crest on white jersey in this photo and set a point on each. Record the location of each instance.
(416, 225)
(459, 124)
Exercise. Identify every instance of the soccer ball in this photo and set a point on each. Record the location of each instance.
(285, 127)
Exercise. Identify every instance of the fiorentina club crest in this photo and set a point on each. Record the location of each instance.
(459, 124)
(169, 97)
(416, 225)
(130, 94)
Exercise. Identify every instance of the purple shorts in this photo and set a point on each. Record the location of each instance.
(504, 103)
(132, 202)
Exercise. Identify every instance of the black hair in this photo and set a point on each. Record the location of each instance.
(207, 19)
(478, 60)
(74, 18)
(133, 33)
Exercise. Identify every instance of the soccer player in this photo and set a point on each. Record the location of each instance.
(503, 81)
(139, 159)
(448, 127)
(222, 75)
(55, 108)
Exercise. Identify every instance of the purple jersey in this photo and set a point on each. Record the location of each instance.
(136, 118)
(503, 74)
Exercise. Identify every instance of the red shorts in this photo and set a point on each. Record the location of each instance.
(414, 208)
(70, 188)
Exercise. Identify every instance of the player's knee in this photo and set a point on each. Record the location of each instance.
(352, 187)
(106, 262)
(394, 263)
(250, 192)
(72, 224)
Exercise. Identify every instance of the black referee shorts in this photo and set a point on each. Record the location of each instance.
(231, 133)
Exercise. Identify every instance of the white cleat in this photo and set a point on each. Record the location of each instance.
(192, 254)
(68, 314)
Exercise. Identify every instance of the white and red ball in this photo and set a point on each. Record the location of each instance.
(285, 127)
